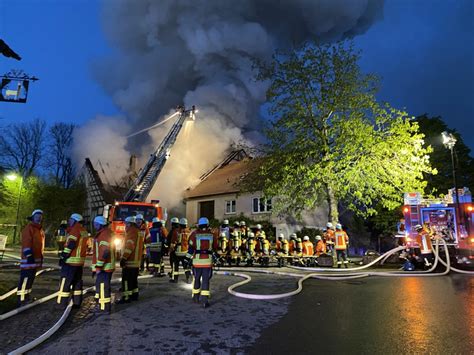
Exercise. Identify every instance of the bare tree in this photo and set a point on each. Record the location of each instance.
(60, 151)
(21, 146)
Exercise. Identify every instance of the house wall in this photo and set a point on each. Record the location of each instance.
(244, 205)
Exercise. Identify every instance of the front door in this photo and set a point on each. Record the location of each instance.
(206, 209)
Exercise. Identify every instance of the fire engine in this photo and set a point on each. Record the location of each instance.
(134, 201)
(444, 217)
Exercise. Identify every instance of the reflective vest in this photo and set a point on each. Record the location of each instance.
(235, 241)
(265, 247)
(251, 246)
(144, 233)
(308, 248)
(329, 236)
(320, 248)
(61, 235)
(133, 247)
(201, 245)
(103, 256)
(285, 247)
(76, 245)
(179, 241)
(424, 241)
(341, 239)
(32, 243)
(292, 245)
(156, 239)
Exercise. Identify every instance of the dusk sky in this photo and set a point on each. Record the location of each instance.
(423, 51)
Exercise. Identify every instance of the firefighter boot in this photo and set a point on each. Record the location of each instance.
(196, 298)
(188, 277)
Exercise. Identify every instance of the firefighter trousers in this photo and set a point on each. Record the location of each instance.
(201, 287)
(70, 282)
(172, 257)
(341, 255)
(180, 259)
(27, 277)
(156, 262)
(130, 283)
(103, 291)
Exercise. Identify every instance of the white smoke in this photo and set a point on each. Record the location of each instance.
(200, 53)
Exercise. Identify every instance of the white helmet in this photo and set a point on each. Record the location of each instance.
(226, 221)
(305, 238)
(418, 227)
(237, 224)
(183, 221)
(155, 220)
(100, 220)
(203, 221)
(35, 212)
(329, 225)
(242, 223)
(251, 235)
(77, 217)
(139, 216)
(293, 235)
(338, 226)
(281, 235)
(174, 220)
(130, 219)
(318, 237)
(259, 226)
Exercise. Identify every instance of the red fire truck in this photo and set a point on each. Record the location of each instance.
(117, 213)
(445, 218)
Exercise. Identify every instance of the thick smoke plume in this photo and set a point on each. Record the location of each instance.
(200, 53)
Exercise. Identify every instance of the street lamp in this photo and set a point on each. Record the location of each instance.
(13, 177)
(449, 141)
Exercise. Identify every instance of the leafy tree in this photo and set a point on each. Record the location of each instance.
(441, 157)
(330, 139)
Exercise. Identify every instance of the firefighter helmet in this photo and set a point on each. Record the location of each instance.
(100, 220)
(139, 216)
(226, 221)
(329, 225)
(130, 219)
(251, 235)
(203, 221)
(174, 220)
(338, 226)
(242, 223)
(259, 226)
(77, 217)
(418, 227)
(281, 236)
(155, 220)
(318, 237)
(63, 222)
(305, 238)
(236, 224)
(183, 221)
(37, 211)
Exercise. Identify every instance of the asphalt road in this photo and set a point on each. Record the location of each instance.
(415, 315)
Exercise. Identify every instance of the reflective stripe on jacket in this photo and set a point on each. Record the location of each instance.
(32, 243)
(341, 240)
(201, 245)
(103, 257)
(76, 245)
(133, 247)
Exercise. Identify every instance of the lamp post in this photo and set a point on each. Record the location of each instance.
(13, 177)
(449, 141)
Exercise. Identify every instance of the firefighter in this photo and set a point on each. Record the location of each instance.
(340, 245)
(224, 228)
(202, 244)
(103, 263)
(143, 233)
(282, 249)
(250, 249)
(222, 248)
(320, 247)
(60, 235)
(328, 237)
(130, 261)
(172, 234)
(307, 250)
(235, 255)
(32, 247)
(72, 261)
(156, 241)
(265, 251)
(179, 246)
(424, 242)
(244, 232)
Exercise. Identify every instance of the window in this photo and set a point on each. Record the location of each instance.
(230, 207)
(261, 205)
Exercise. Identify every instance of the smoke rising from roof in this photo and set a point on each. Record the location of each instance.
(200, 52)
